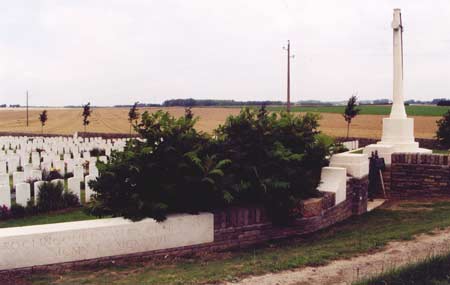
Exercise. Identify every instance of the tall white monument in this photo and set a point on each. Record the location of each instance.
(398, 130)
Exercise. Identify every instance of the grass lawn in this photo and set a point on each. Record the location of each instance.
(434, 271)
(440, 151)
(56, 217)
(358, 235)
(370, 109)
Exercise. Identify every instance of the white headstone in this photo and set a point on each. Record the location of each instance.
(37, 188)
(78, 171)
(36, 174)
(4, 179)
(3, 166)
(73, 184)
(5, 196)
(18, 177)
(88, 189)
(23, 193)
(27, 168)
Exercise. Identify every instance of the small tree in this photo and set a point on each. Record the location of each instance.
(133, 115)
(86, 114)
(443, 132)
(43, 118)
(350, 112)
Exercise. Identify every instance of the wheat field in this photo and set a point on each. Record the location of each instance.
(114, 120)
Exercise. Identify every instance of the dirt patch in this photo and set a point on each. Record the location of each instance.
(395, 254)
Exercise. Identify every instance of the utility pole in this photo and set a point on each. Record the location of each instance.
(289, 56)
(27, 108)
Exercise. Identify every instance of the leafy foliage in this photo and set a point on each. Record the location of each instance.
(49, 175)
(276, 159)
(52, 197)
(95, 152)
(170, 171)
(254, 158)
(43, 119)
(86, 114)
(443, 132)
(133, 115)
(350, 112)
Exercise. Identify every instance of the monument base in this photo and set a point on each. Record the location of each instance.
(398, 136)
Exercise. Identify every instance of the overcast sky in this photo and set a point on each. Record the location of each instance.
(117, 52)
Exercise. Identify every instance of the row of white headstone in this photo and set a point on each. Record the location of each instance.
(35, 155)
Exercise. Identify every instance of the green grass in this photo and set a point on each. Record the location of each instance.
(370, 109)
(357, 235)
(56, 217)
(433, 271)
(440, 151)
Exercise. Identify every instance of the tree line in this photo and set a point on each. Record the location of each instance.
(211, 102)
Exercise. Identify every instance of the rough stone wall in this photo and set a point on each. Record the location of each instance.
(240, 227)
(419, 174)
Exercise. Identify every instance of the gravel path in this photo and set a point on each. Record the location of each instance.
(395, 254)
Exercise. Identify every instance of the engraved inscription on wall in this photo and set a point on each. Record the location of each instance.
(108, 237)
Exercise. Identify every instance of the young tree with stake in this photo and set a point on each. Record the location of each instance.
(86, 114)
(351, 112)
(43, 118)
(133, 115)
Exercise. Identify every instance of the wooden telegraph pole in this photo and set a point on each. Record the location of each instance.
(27, 108)
(288, 50)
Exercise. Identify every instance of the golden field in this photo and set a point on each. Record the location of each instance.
(114, 120)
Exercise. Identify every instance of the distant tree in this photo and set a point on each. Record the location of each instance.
(43, 118)
(351, 111)
(443, 132)
(443, 102)
(133, 115)
(188, 114)
(86, 114)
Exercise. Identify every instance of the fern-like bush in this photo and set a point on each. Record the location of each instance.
(171, 171)
(254, 158)
(276, 159)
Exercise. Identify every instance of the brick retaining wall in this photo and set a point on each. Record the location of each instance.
(419, 174)
(238, 227)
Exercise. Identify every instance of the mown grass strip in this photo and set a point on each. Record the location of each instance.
(357, 235)
(437, 111)
(70, 215)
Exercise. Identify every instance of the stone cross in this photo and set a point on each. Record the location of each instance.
(398, 107)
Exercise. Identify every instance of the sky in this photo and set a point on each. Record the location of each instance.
(112, 52)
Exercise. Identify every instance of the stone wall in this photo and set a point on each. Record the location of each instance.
(240, 228)
(419, 174)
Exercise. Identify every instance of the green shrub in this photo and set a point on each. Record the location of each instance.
(49, 175)
(443, 132)
(256, 158)
(70, 200)
(97, 152)
(52, 197)
(17, 211)
(276, 159)
(171, 171)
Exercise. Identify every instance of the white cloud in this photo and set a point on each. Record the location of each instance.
(113, 52)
